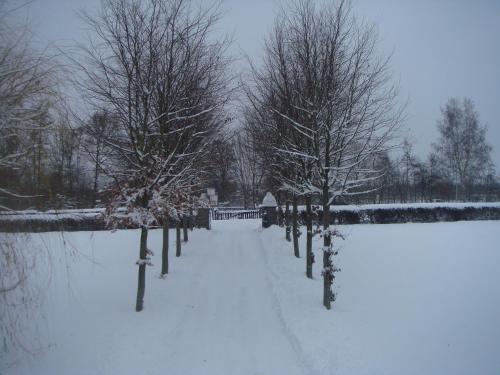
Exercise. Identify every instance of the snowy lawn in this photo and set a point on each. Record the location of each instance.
(412, 299)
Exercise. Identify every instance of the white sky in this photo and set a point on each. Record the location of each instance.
(440, 49)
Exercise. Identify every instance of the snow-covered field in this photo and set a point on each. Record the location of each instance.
(412, 299)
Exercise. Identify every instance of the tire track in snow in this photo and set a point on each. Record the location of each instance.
(290, 336)
(192, 294)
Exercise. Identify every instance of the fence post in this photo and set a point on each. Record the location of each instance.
(268, 207)
(203, 218)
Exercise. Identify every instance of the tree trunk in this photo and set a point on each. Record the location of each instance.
(327, 289)
(178, 238)
(185, 228)
(191, 221)
(141, 285)
(295, 225)
(164, 250)
(245, 198)
(327, 241)
(96, 174)
(287, 220)
(280, 210)
(309, 226)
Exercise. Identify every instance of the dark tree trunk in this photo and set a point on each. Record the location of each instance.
(327, 241)
(96, 173)
(309, 226)
(287, 220)
(178, 238)
(141, 285)
(191, 221)
(164, 250)
(185, 228)
(280, 209)
(295, 225)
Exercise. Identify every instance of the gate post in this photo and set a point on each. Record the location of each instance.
(203, 218)
(269, 214)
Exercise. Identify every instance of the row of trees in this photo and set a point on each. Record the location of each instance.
(459, 167)
(242, 176)
(156, 84)
(153, 66)
(320, 108)
(52, 157)
(28, 107)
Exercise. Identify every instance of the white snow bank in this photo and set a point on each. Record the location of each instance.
(407, 206)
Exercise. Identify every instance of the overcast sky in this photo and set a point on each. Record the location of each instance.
(440, 49)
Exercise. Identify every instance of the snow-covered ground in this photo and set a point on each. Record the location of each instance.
(412, 299)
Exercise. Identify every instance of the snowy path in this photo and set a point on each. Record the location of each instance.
(215, 313)
(234, 321)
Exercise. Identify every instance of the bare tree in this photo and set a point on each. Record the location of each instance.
(97, 130)
(407, 164)
(153, 66)
(26, 90)
(462, 147)
(221, 167)
(249, 169)
(25, 98)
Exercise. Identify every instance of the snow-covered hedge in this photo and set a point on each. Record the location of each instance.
(53, 220)
(408, 213)
(91, 219)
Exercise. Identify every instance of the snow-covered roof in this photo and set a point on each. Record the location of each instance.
(269, 201)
